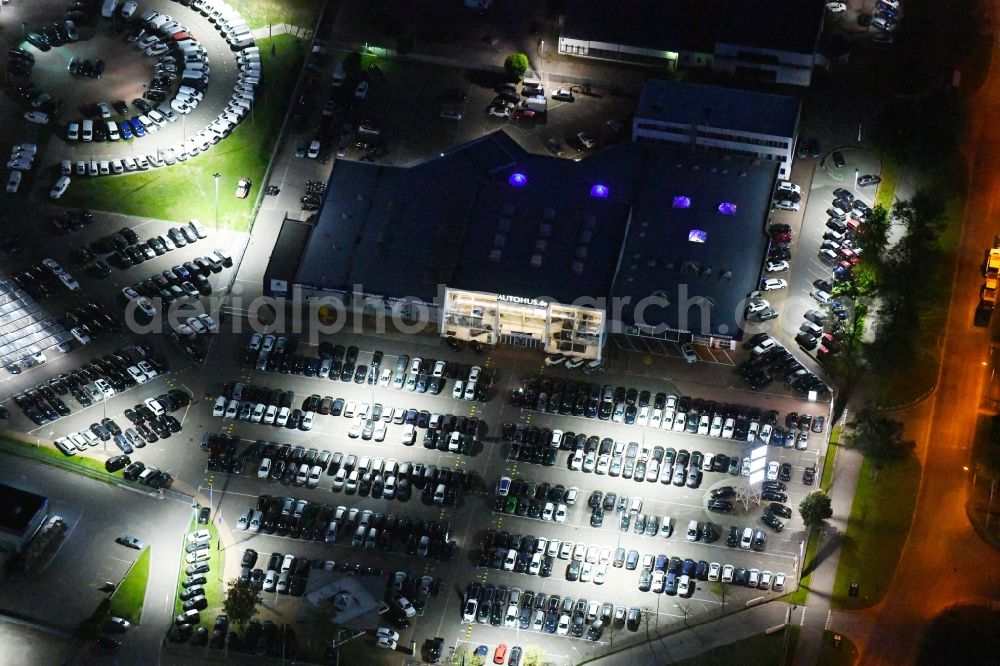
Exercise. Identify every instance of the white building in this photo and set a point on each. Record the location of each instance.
(758, 125)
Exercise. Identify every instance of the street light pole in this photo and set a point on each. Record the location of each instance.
(216, 176)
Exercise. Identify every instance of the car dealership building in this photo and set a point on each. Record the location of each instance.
(492, 243)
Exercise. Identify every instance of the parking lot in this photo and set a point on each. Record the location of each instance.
(405, 101)
(467, 528)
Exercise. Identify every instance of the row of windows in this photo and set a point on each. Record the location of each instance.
(735, 151)
(744, 139)
(709, 134)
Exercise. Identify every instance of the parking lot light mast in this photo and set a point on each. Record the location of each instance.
(216, 176)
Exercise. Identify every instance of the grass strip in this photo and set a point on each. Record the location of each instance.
(130, 595)
(876, 531)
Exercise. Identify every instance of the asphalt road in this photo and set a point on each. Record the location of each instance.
(943, 552)
(88, 557)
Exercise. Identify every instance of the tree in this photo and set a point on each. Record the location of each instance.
(878, 437)
(515, 65)
(815, 508)
(533, 656)
(875, 240)
(241, 602)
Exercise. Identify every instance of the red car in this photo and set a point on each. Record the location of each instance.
(500, 654)
(524, 113)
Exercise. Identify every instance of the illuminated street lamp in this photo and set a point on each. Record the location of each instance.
(216, 176)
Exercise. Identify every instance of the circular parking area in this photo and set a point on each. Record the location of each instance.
(125, 76)
(130, 94)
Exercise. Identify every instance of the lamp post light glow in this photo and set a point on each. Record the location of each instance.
(216, 176)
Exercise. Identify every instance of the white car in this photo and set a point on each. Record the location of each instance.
(787, 205)
(836, 7)
(386, 642)
(232, 409)
(776, 266)
(361, 90)
(154, 406)
(386, 632)
(714, 570)
(313, 152)
(14, 181)
(772, 471)
(765, 345)
(220, 405)
(38, 117)
(60, 187)
(771, 284)
(140, 377)
(199, 536)
(459, 390)
(243, 522)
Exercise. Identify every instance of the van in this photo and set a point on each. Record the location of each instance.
(87, 133)
(338, 75)
(108, 10)
(666, 526)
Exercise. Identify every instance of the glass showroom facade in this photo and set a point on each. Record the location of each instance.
(523, 322)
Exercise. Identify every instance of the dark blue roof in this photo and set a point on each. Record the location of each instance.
(727, 108)
(696, 25)
(661, 259)
(457, 221)
(396, 231)
(666, 25)
(781, 25)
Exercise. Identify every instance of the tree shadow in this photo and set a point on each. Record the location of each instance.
(831, 541)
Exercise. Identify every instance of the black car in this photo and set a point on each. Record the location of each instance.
(733, 540)
(779, 510)
(720, 505)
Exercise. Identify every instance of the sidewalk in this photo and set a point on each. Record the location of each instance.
(687, 643)
(815, 613)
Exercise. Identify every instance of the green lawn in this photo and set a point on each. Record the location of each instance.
(214, 586)
(187, 190)
(844, 655)
(879, 522)
(760, 650)
(128, 599)
(887, 188)
(977, 502)
(259, 13)
(50, 455)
